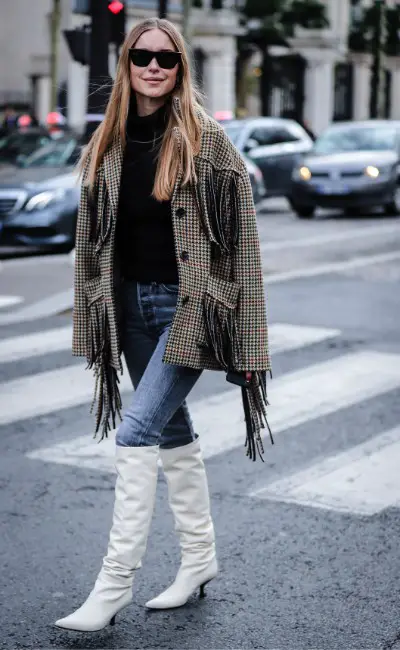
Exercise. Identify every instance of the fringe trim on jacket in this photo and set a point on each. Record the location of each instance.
(216, 198)
(107, 397)
(100, 225)
(222, 339)
(255, 402)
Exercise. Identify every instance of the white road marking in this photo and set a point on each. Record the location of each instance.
(330, 237)
(283, 337)
(331, 267)
(7, 301)
(363, 480)
(46, 392)
(295, 398)
(32, 345)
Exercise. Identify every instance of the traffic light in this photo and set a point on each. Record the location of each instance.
(78, 41)
(117, 16)
(391, 36)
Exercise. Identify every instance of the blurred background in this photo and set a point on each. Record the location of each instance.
(316, 61)
(276, 73)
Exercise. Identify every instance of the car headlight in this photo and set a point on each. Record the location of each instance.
(303, 173)
(43, 199)
(372, 171)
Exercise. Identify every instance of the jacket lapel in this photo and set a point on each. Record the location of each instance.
(112, 162)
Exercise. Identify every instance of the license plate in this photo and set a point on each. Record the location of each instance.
(333, 188)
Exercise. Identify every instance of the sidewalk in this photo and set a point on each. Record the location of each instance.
(35, 287)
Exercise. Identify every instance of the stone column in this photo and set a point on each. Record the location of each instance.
(43, 94)
(215, 33)
(361, 85)
(219, 80)
(77, 94)
(393, 64)
(319, 91)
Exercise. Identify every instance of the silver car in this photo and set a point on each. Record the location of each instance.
(274, 144)
(353, 166)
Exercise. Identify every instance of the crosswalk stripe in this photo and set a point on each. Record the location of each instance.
(31, 345)
(283, 337)
(7, 301)
(49, 391)
(357, 262)
(363, 480)
(347, 235)
(296, 398)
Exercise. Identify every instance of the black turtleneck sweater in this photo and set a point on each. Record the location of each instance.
(144, 228)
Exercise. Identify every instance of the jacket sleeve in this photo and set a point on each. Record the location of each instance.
(86, 268)
(251, 312)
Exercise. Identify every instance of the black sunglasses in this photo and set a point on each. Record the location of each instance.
(142, 58)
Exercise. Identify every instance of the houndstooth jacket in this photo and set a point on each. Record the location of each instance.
(220, 321)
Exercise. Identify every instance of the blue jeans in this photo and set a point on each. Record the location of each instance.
(158, 414)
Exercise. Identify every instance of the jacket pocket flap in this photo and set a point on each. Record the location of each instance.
(225, 292)
(93, 290)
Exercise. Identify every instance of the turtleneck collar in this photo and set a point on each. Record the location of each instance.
(147, 125)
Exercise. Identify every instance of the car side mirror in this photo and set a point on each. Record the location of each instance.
(250, 144)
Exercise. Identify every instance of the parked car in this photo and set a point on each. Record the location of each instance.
(39, 199)
(22, 143)
(274, 144)
(353, 166)
(256, 179)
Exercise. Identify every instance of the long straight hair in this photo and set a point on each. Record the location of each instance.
(181, 140)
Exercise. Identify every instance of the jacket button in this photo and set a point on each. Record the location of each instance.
(180, 212)
(185, 299)
(184, 256)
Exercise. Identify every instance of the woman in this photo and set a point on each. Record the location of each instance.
(167, 271)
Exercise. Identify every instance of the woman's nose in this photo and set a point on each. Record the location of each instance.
(153, 65)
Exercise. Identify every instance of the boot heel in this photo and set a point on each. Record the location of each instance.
(112, 622)
(202, 592)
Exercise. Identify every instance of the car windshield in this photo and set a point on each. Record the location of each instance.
(57, 154)
(351, 138)
(232, 131)
(20, 144)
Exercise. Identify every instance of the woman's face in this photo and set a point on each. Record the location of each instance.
(153, 81)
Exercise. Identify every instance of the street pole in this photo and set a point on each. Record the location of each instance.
(186, 6)
(162, 8)
(55, 20)
(99, 79)
(377, 44)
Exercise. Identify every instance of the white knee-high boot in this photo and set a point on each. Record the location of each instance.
(189, 500)
(135, 491)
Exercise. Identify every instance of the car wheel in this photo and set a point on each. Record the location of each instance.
(393, 208)
(302, 211)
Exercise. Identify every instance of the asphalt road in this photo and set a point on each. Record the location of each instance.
(307, 541)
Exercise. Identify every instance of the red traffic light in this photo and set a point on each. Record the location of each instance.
(116, 6)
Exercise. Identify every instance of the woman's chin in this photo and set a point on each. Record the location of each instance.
(154, 92)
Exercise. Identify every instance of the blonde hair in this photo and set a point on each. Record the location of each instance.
(182, 136)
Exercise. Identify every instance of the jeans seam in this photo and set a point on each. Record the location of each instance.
(145, 432)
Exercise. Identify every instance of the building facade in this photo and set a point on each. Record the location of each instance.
(321, 77)
(25, 59)
(327, 76)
